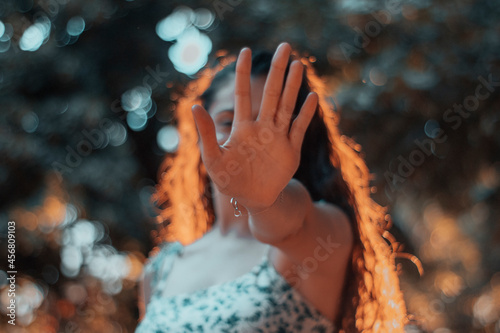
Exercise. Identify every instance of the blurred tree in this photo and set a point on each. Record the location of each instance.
(87, 86)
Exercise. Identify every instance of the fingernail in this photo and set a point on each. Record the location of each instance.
(282, 45)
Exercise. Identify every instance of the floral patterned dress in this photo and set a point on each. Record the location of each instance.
(258, 301)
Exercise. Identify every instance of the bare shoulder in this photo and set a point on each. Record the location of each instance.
(327, 216)
(326, 236)
(315, 259)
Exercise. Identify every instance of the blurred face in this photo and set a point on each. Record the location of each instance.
(222, 108)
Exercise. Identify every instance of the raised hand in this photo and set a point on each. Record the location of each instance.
(261, 155)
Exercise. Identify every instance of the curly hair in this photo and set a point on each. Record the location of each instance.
(331, 168)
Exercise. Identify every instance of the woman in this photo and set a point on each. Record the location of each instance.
(295, 243)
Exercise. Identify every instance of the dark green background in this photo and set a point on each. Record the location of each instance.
(428, 57)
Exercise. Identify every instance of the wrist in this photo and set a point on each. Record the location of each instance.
(254, 210)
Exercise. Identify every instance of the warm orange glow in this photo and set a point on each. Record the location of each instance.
(65, 308)
(377, 301)
(48, 215)
(180, 179)
(449, 283)
(381, 298)
(53, 212)
(135, 266)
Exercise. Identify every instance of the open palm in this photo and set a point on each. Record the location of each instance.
(260, 156)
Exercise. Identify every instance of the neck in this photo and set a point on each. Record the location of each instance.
(225, 221)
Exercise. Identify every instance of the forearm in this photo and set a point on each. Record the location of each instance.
(285, 217)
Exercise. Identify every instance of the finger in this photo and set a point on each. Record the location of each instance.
(210, 150)
(274, 82)
(289, 97)
(302, 121)
(242, 99)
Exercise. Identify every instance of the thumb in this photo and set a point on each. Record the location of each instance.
(206, 129)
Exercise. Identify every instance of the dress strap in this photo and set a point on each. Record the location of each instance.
(160, 265)
(268, 252)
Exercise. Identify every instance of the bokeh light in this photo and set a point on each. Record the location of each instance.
(35, 36)
(190, 52)
(7, 33)
(168, 138)
(203, 18)
(172, 26)
(117, 134)
(2, 29)
(75, 26)
(191, 48)
(30, 122)
(140, 107)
